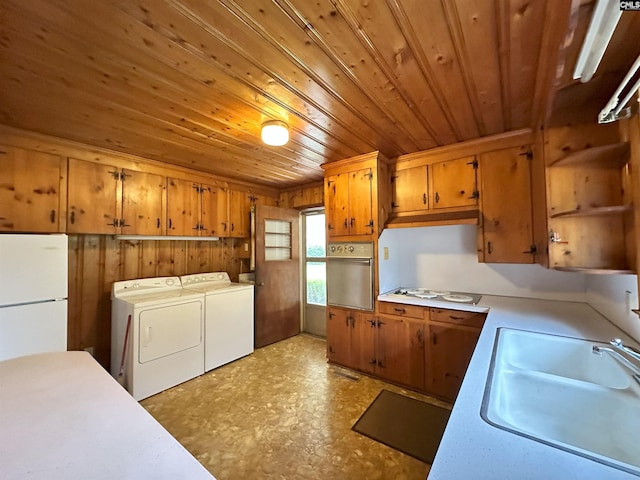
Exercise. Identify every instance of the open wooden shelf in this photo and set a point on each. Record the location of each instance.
(598, 271)
(592, 212)
(614, 155)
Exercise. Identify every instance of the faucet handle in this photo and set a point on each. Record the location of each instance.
(617, 342)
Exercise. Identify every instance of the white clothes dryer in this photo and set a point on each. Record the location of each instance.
(228, 317)
(165, 340)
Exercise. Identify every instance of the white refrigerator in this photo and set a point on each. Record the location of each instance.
(33, 294)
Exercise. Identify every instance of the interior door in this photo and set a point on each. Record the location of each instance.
(277, 301)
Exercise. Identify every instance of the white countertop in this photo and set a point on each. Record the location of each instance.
(62, 416)
(470, 447)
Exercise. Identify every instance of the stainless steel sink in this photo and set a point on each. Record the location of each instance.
(554, 390)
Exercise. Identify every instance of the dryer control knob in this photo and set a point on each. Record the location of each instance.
(170, 282)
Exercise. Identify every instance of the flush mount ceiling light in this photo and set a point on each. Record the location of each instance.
(275, 132)
(603, 23)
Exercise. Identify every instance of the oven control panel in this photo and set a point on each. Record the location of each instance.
(350, 249)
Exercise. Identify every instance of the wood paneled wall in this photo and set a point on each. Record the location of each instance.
(307, 196)
(96, 261)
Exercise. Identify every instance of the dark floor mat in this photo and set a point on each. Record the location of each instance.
(408, 425)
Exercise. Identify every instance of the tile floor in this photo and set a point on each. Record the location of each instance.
(282, 413)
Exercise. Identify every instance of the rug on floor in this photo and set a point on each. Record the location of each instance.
(408, 425)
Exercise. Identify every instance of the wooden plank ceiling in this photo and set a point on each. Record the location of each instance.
(189, 82)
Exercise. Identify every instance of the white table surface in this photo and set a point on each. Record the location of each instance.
(62, 416)
(473, 449)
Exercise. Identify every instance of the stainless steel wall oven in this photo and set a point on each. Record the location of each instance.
(350, 275)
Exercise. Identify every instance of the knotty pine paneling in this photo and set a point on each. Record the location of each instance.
(308, 196)
(96, 261)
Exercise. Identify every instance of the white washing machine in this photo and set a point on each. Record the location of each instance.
(228, 322)
(165, 343)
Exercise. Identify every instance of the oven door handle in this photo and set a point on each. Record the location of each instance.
(364, 261)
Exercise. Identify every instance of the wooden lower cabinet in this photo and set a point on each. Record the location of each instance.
(447, 357)
(425, 349)
(351, 338)
(400, 351)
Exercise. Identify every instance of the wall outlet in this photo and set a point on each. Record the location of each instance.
(246, 247)
(386, 253)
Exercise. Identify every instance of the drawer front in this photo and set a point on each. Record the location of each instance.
(402, 310)
(472, 319)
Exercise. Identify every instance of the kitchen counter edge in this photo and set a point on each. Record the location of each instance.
(471, 448)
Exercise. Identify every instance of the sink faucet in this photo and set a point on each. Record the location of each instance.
(632, 364)
(616, 342)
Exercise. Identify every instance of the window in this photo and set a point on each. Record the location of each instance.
(315, 259)
(277, 240)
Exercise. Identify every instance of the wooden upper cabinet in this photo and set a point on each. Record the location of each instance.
(506, 208)
(348, 198)
(337, 204)
(357, 196)
(142, 202)
(30, 185)
(360, 198)
(183, 207)
(215, 207)
(239, 214)
(410, 189)
(454, 183)
(94, 198)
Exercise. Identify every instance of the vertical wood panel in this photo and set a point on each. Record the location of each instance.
(96, 261)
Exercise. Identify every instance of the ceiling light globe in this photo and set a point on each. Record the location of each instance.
(275, 133)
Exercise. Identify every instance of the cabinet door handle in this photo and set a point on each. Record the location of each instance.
(353, 220)
(380, 323)
(419, 335)
(532, 250)
(52, 216)
(489, 249)
(345, 223)
(224, 226)
(233, 227)
(453, 317)
(434, 339)
(424, 198)
(72, 217)
(158, 223)
(437, 197)
(329, 227)
(331, 315)
(372, 323)
(401, 310)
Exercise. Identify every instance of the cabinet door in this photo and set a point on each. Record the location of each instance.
(410, 189)
(239, 211)
(360, 197)
(339, 336)
(142, 203)
(94, 196)
(447, 357)
(215, 211)
(400, 351)
(336, 197)
(454, 183)
(506, 207)
(183, 207)
(363, 331)
(29, 190)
